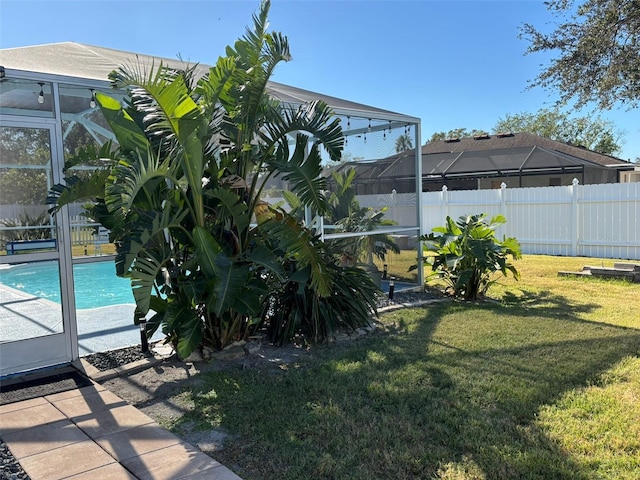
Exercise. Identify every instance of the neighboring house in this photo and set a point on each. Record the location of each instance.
(487, 161)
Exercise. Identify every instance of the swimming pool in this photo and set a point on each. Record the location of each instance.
(96, 284)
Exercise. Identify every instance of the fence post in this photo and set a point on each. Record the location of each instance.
(443, 204)
(574, 217)
(503, 208)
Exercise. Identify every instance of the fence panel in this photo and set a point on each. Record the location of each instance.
(540, 218)
(609, 220)
(575, 220)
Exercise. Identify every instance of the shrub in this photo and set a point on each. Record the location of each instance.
(465, 254)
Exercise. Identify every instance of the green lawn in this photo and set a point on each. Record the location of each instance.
(543, 382)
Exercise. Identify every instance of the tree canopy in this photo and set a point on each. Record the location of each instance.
(455, 133)
(403, 143)
(598, 48)
(593, 133)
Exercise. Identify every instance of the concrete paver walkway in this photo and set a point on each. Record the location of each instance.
(90, 433)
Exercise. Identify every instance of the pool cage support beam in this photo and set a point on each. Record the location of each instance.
(418, 154)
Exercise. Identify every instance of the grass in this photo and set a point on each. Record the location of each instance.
(542, 383)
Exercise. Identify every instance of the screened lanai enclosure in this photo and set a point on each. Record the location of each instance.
(47, 112)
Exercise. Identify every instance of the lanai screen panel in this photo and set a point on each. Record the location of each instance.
(89, 66)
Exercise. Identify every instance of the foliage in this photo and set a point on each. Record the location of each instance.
(182, 195)
(294, 307)
(26, 154)
(365, 248)
(455, 133)
(590, 132)
(345, 212)
(25, 228)
(598, 48)
(467, 253)
(403, 143)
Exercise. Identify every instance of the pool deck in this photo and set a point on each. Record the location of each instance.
(91, 433)
(99, 329)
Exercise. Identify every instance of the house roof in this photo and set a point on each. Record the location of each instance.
(496, 155)
(519, 141)
(87, 62)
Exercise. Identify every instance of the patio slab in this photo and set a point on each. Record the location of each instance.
(91, 433)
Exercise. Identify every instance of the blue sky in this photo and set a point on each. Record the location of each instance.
(451, 63)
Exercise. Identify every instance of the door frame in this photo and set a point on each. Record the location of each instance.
(29, 354)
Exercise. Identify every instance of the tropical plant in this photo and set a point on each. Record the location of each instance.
(403, 143)
(182, 194)
(363, 249)
(467, 253)
(294, 308)
(347, 215)
(26, 227)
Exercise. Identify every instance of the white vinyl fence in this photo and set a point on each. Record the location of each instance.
(577, 220)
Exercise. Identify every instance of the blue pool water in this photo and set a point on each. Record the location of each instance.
(96, 284)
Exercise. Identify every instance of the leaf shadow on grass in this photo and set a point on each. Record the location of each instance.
(433, 399)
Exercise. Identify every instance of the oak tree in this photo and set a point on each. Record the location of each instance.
(597, 43)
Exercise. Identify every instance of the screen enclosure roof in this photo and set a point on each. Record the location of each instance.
(86, 64)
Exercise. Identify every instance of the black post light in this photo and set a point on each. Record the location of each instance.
(142, 323)
(392, 287)
(385, 271)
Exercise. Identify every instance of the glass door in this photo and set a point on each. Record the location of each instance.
(37, 319)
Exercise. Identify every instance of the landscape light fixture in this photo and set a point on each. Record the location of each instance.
(92, 103)
(41, 94)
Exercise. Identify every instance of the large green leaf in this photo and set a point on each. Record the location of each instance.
(230, 284)
(183, 320)
(316, 118)
(304, 174)
(142, 279)
(301, 245)
(231, 207)
(264, 257)
(131, 177)
(207, 249)
(129, 135)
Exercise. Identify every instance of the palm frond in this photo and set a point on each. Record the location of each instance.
(131, 177)
(304, 174)
(76, 189)
(301, 245)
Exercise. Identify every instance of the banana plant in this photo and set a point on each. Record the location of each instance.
(181, 193)
(466, 253)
